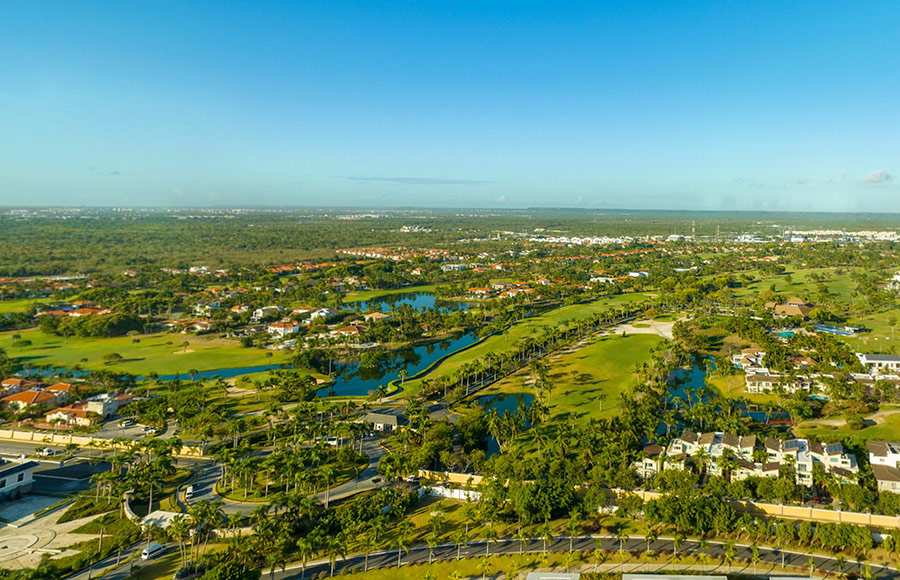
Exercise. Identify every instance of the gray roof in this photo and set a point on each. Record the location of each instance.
(882, 357)
(8, 469)
(385, 419)
(885, 472)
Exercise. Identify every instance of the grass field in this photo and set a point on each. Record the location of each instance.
(500, 343)
(22, 305)
(733, 387)
(886, 427)
(839, 285)
(162, 353)
(587, 382)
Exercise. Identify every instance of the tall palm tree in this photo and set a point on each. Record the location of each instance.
(404, 529)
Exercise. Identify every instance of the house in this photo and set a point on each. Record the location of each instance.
(748, 358)
(240, 308)
(651, 463)
(30, 398)
(376, 316)
(805, 454)
(322, 313)
(480, 292)
(879, 363)
(351, 330)
(793, 307)
(887, 476)
(16, 479)
(63, 390)
(77, 414)
(884, 453)
(453, 267)
(385, 422)
(15, 385)
(283, 329)
(266, 311)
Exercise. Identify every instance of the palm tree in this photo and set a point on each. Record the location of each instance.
(546, 533)
(573, 526)
(306, 548)
(622, 537)
(490, 535)
(522, 537)
(335, 546)
(459, 538)
(651, 536)
(404, 529)
(369, 543)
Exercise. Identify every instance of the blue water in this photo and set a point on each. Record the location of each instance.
(506, 402)
(695, 380)
(349, 379)
(418, 300)
(352, 380)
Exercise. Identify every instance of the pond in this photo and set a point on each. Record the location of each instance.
(352, 380)
(418, 300)
(503, 403)
(690, 387)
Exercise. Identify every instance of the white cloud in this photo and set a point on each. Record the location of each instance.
(880, 176)
(503, 199)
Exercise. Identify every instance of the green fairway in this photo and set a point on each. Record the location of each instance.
(839, 285)
(887, 426)
(161, 353)
(587, 382)
(23, 305)
(500, 343)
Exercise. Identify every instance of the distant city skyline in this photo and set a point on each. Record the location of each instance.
(763, 106)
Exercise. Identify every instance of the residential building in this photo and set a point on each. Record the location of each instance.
(76, 414)
(887, 476)
(31, 398)
(266, 311)
(880, 363)
(16, 479)
(283, 328)
(805, 454)
(385, 422)
(884, 453)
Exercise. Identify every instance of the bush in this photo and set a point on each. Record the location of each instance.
(856, 422)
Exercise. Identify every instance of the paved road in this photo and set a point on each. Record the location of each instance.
(119, 573)
(770, 558)
(210, 473)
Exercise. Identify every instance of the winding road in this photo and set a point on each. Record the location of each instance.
(210, 472)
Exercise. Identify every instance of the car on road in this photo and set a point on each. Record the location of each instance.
(45, 452)
(189, 492)
(126, 422)
(153, 551)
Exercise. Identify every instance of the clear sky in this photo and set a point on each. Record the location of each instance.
(627, 104)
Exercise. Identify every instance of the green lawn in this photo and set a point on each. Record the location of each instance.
(839, 285)
(734, 386)
(500, 343)
(886, 428)
(587, 382)
(22, 305)
(163, 353)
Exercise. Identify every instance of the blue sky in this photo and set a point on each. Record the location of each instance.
(688, 105)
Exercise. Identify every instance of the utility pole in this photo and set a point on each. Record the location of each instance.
(693, 231)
